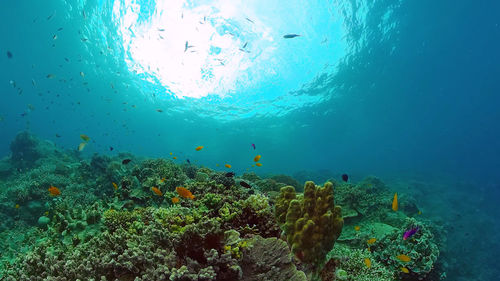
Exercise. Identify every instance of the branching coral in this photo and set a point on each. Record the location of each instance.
(312, 222)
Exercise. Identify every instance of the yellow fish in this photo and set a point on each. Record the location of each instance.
(368, 262)
(170, 153)
(419, 212)
(199, 148)
(17, 206)
(162, 179)
(403, 258)
(115, 186)
(258, 164)
(82, 146)
(257, 158)
(228, 166)
(371, 241)
(357, 228)
(84, 137)
(395, 202)
(175, 200)
(405, 270)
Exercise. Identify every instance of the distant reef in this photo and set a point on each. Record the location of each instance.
(66, 217)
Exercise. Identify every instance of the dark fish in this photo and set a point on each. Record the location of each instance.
(249, 20)
(58, 136)
(111, 148)
(288, 36)
(229, 175)
(126, 161)
(244, 184)
(253, 145)
(187, 160)
(244, 46)
(59, 29)
(187, 46)
(9, 54)
(24, 114)
(345, 177)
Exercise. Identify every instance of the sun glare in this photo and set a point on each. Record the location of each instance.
(191, 50)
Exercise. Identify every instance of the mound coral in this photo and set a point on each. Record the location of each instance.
(311, 222)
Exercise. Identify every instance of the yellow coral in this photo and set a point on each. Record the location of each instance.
(311, 222)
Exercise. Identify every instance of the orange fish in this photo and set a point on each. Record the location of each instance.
(84, 137)
(162, 180)
(175, 157)
(82, 146)
(156, 191)
(115, 186)
(199, 148)
(258, 164)
(184, 192)
(371, 241)
(54, 191)
(175, 200)
(357, 228)
(228, 166)
(395, 202)
(403, 258)
(257, 158)
(368, 262)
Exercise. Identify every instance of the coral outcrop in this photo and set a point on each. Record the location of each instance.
(311, 222)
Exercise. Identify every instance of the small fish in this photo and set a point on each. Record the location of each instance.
(410, 232)
(199, 148)
(60, 29)
(244, 46)
(9, 54)
(288, 36)
(175, 200)
(162, 180)
(256, 158)
(54, 37)
(405, 270)
(229, 175)
(82, 74)
(253, 145)
(84, 137)
(156, 191)
(258, 164)
(81, 146)
(419, 212)
(187, 160)
(51, 76)
(84, 39)
(184, 192)
(186, 46)
(17, 206)
(115, 186)
(217, 165)
(249, 20)
(170, 153)
(111, 148)
(403, 258)
(368, 262)
(159, 110)
(345, 177)
(371, 241)
(161, 29)
(33, 82)
(66, 59)
(357, 228)
(395, 202)
(58, 136)
(245, 184)
(54, 191)
(126, 161)
(49, 17)
(228, 166)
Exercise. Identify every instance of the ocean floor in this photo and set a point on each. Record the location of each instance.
(65, 217)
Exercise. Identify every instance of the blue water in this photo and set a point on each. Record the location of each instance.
(397, 89)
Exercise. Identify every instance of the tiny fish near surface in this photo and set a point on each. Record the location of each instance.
(288, 36)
